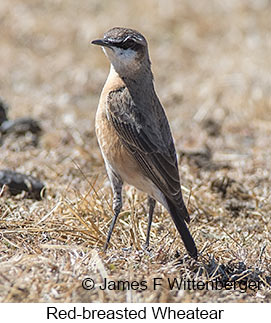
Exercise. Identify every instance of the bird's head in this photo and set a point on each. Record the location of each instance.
(126, 49)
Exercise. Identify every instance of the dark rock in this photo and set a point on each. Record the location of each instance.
(202, 159)
(212, 127)
(3, 111)
(20, 126)
(230, 188)
(17, 183)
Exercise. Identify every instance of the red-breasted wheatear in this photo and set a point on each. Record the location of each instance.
(134, 134)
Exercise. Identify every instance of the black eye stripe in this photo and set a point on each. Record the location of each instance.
(127, 44)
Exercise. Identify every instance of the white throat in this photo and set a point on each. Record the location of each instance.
(123, 60)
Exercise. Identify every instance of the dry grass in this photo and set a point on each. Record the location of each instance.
(211, 61)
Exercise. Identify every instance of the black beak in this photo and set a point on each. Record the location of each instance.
(101, 42)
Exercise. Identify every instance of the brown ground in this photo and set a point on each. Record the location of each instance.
(212, 66)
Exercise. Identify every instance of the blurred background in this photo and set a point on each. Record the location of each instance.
(211, 60)
(212, 67)
(209, 57)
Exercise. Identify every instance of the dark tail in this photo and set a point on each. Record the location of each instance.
(178, 216)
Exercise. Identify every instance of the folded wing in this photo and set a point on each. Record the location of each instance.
(146, 135)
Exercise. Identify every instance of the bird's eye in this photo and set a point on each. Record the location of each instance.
(129, 43)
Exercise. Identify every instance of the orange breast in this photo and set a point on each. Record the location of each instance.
(114, 152)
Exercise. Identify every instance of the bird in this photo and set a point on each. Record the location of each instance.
(134, 135)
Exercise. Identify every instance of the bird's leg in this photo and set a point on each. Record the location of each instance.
(116, 184)
(151, 203)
